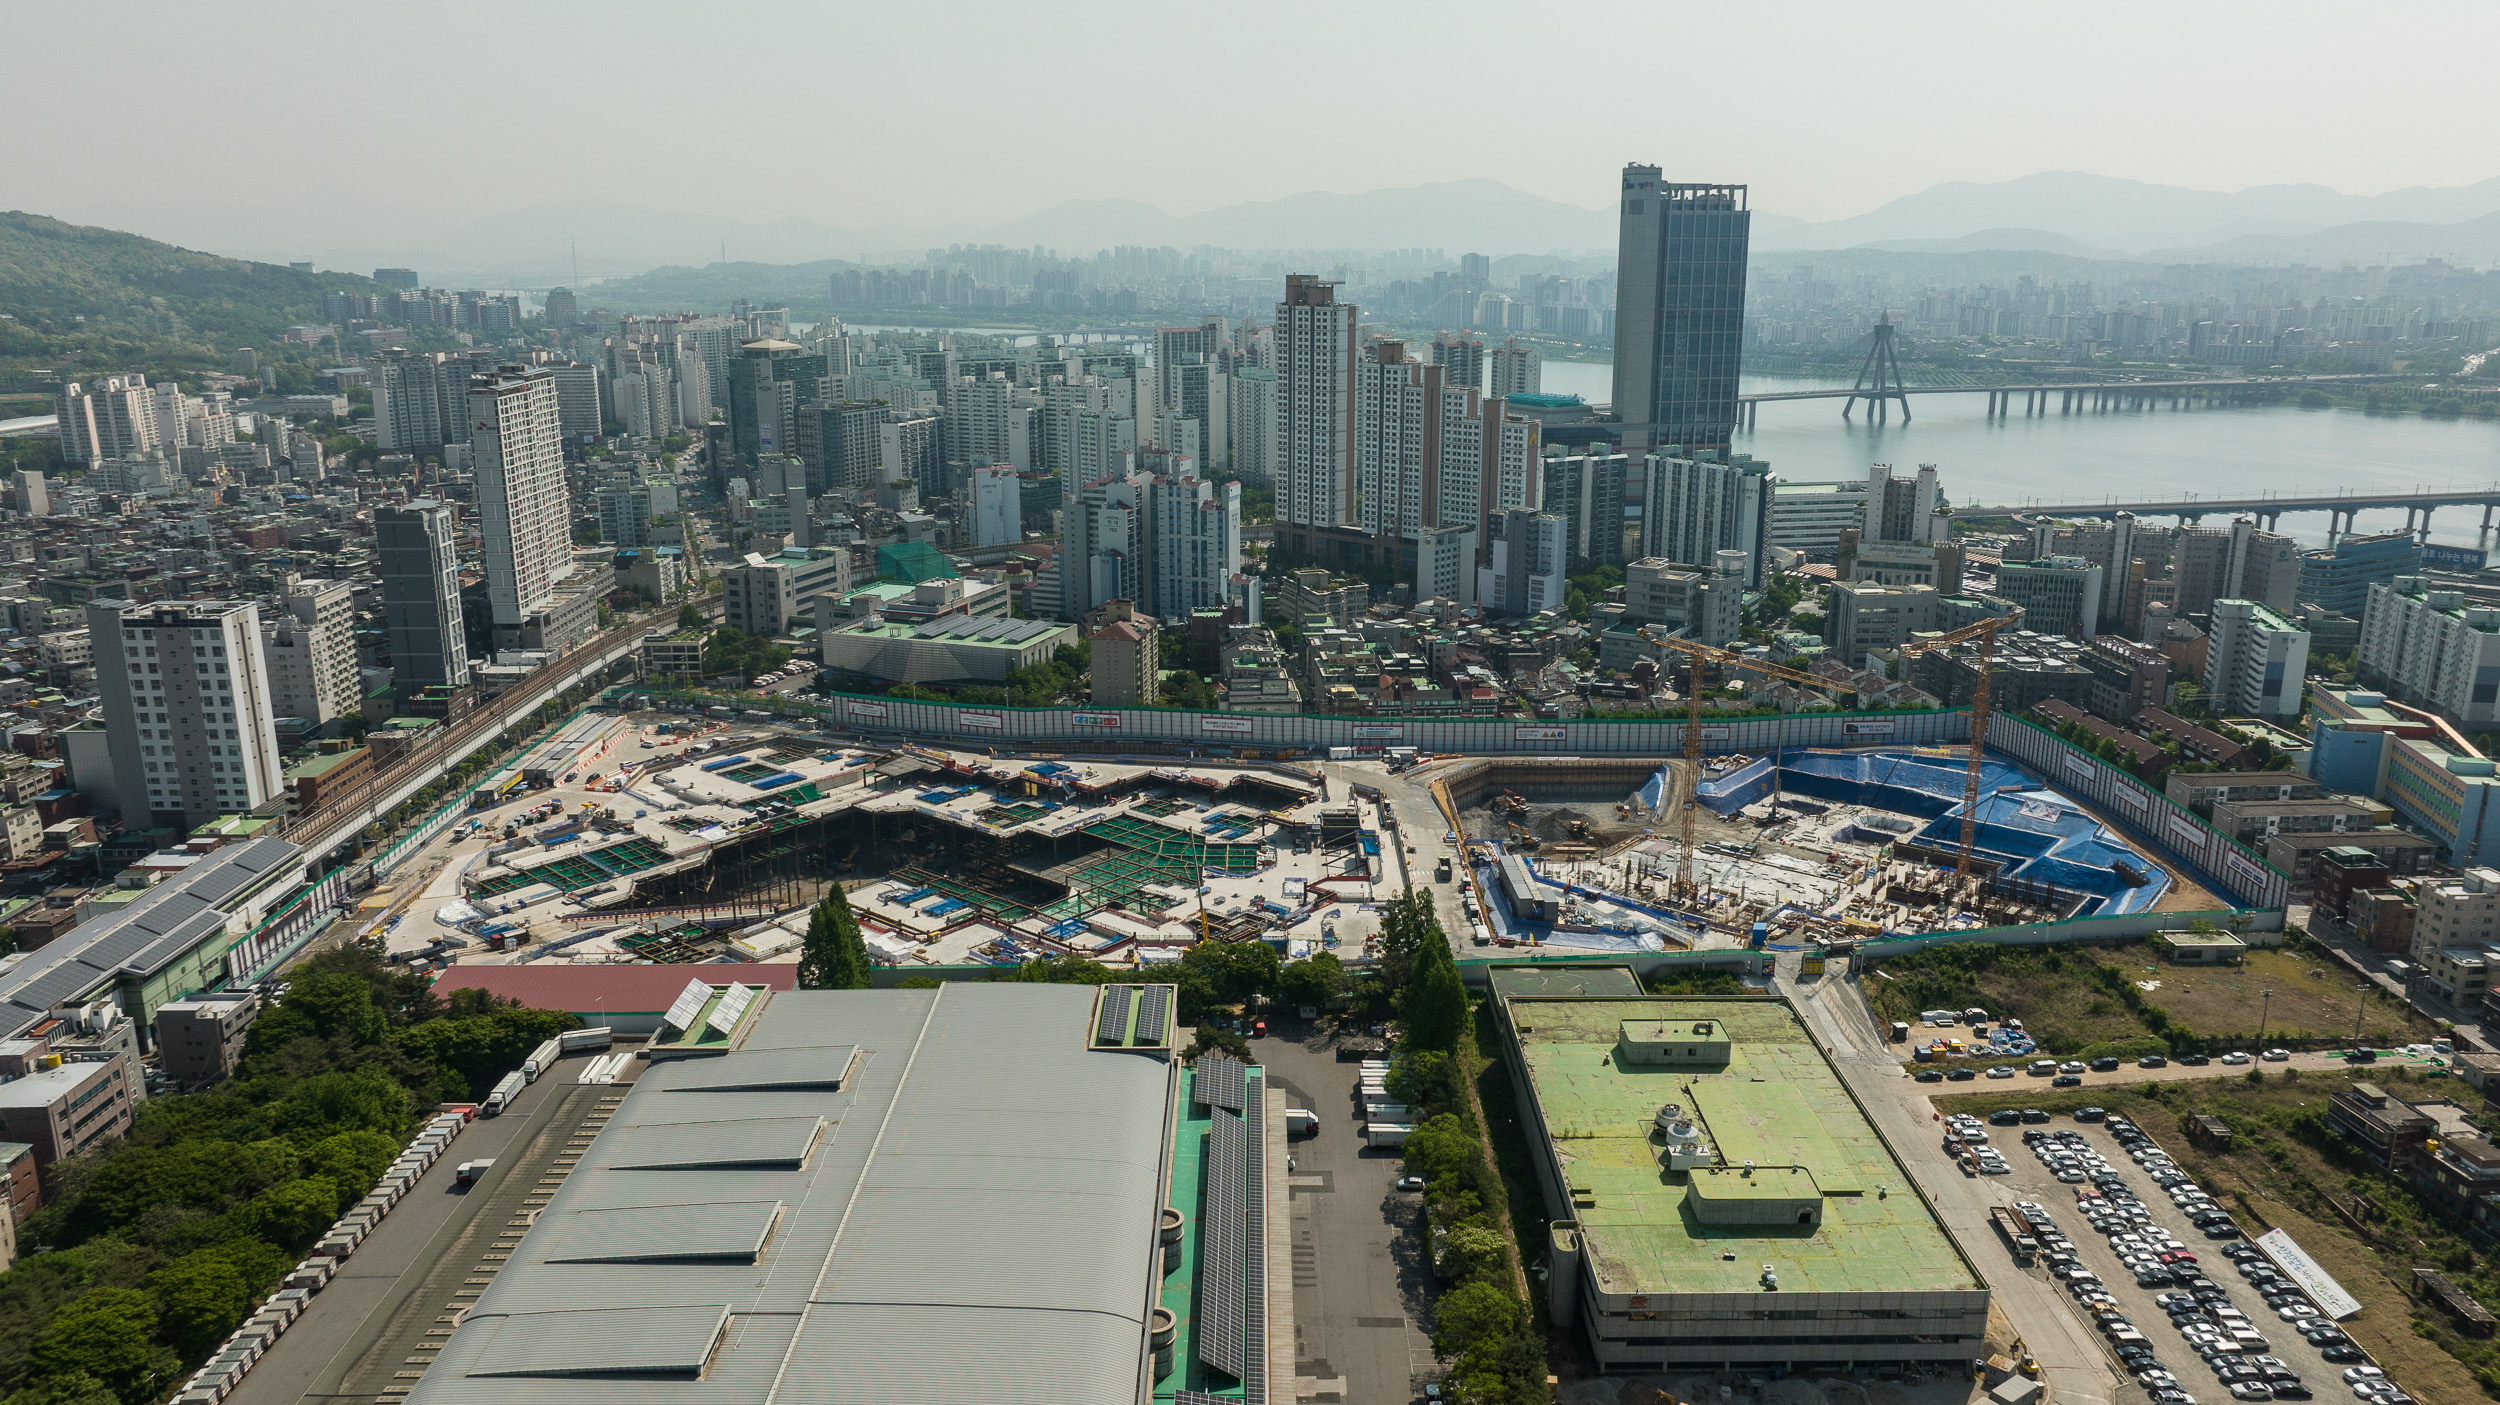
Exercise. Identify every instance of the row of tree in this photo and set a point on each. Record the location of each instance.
(150, 1251)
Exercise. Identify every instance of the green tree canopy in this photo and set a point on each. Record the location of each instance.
(833, 955)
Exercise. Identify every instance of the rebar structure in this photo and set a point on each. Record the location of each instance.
(1879, 378)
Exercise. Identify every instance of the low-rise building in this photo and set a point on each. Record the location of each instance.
(2252, 821)
(956, 649)
(201, 1041)
(1126, 669)
(2459, 911)
(2388, 1130)
(61, 1108)
(2200, 790)
(320, 778)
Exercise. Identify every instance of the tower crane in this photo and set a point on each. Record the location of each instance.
(1985, 631)
(1705, 653)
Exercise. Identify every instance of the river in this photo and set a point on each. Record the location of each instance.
(2133, 455)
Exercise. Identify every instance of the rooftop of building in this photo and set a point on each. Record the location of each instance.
(1775, 1104)
(890, 1196)
(46, 1086)
(322, 763)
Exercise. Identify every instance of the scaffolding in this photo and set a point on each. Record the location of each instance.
(575, 872)
(1145, 854)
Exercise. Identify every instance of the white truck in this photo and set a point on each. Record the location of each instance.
(471, 1171)
(599, 1037)
(503, 1095)
(1301, 1122)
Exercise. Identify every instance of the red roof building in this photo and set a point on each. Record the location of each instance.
(627, 999)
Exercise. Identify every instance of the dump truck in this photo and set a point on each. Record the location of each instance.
(2018, 1240)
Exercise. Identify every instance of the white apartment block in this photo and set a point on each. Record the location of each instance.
(2256, 662)
(312, 652)
(997, 506)
(988, 421)
(187, 711)
(2434, 650)
(516, 443)
(1105, 528)
(1251, 419)
(114, 418)
(1513, 369)
(1445, 565)
(2459, 911)
(1396, 405)
(1695, 508)
(1315, 369)
(1195, 548)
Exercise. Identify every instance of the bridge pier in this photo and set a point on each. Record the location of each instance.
(2482, 539)
(2425, 535)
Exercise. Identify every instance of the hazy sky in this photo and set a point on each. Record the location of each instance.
(892, 113)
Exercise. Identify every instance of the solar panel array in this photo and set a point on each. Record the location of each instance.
(1254, 1251)
(689, 1004)
(1111, 1020)
(1154, 1015)
(1223, 1245)
(732, 1005)
(990, 629)
(1220, 1084)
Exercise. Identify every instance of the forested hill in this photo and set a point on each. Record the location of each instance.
(145, 306)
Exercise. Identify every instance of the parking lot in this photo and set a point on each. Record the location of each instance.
(2151, 1262)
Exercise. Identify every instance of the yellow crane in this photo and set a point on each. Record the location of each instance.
(1705, 653)
(1985, 631)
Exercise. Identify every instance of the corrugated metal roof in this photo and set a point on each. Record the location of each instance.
(722, 1145)
(730, 1230)
(769, 1070)
(977, 1221)
(636, 1341)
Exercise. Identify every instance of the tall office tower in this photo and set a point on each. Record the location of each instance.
(1695, 508)
(1902, 509)
(839, 444)
(1194, 544)
(1525, 573)
(1251, 422)
(1460, 357)
(769, 383)
(1475, 268)
(1397, 403)
(997, 506)
(694, 382)
(1513, 369)
(1315, 365)
(561, 308)
(34, 496)
(579, 388)
(312, 652)
(1103, 546)
(114, 418)
(988, 422)
(624, 508)
(516, 447)
(1679, 311)
(417, 556)
(187, 714)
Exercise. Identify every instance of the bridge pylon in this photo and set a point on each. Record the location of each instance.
(1879, 379)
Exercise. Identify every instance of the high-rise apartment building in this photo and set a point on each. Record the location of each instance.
(1679, 311)
(1525, 575)
(1105, 531)
(187, 712)
(408, 402)
(624, 508)
(1251, 421)
(769, 382)
(1397, 406)
(909, 448)
(417, 556)
(1193, 549)
(2434, 648)
(1902, 509)
(114, 418)
(997, 515)
(1586, 491)
(312, 652)
(2059, 594)
(580, 386)
(516, 448)
(988, 421)
(1315, 372)
(2256, 662)
(839, 443)
(1461, 359)
(1514, 369)
(1695, 508)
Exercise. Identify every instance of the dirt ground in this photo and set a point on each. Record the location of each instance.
(2312, 998)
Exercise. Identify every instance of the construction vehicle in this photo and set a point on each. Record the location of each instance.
(1699, 654)
(1985, 631)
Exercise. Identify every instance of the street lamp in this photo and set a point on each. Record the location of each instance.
(2263, 1010)
(2360, 1003)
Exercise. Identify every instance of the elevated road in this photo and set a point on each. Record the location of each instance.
(2267, 507)
(2070, 397)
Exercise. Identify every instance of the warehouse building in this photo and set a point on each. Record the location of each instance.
(1718, 1198)
(951, 1194)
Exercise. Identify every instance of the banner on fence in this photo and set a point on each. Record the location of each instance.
(856, 708)
(1378, 731)
(1109, 721)
(1537, 734)
(2079, 768)
(1717, 734)
(1226, 726)
(1866, 729)
(2185, 833)
(986, 721)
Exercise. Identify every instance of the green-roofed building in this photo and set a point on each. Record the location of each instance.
(910, 563)
(1719, 1198)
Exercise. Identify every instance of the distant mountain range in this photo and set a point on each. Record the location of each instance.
(2063, 213)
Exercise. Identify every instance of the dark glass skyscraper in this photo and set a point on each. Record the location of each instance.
(1679, 311)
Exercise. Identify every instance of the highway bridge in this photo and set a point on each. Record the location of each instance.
(2071, 398)
(2268, 507)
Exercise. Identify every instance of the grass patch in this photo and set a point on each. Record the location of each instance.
(2284, 1164)
(2086, 1001)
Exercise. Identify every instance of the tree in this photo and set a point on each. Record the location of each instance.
(690, 617)
(833, 956)
(1472, 1250)
(104, 1333)
(1314, 980)
(1470, 1314)
(75, 1388)
(1435, 1005)
(201, 1298)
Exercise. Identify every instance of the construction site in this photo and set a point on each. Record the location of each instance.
(634, 839)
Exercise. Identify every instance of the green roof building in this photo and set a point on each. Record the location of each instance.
(1718, 1197)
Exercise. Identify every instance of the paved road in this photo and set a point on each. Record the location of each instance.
(1361, 1287)
(2072, 1361)
(363, 1329)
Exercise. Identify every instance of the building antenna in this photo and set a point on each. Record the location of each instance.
(577, 263)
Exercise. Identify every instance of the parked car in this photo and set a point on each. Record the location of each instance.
(2276, 1056)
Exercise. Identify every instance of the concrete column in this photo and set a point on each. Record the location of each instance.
(2427, 510)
